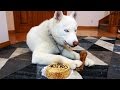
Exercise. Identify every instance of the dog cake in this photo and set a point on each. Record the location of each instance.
(57, 71)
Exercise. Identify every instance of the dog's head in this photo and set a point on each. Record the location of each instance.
(64, 29)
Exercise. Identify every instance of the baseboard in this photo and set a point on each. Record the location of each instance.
(4, 44)
(87, 27)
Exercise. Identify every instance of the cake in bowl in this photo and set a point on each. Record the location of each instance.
(57, 71)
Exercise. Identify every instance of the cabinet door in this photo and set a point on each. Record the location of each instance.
(24, 20)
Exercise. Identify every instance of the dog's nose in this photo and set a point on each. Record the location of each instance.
(75, 43)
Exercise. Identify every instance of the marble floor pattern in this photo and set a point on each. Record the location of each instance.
(15, 60)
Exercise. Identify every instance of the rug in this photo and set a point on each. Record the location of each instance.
(15, 60)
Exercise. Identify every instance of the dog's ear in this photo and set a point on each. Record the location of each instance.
(74, 14)
(58, 15)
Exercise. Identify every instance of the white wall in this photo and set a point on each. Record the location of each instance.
(89, 18)
(3, 27)
(10, 20)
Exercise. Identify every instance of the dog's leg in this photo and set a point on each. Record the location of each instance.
(83, 57)
(73, 55)
(89, 62)
(76, 56)
(39, 57)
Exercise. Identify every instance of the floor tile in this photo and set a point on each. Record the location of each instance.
(104, 44)
(114, 67)
(95, 47)
(26, 56)
(85, 44)
(116, 48)
(7, 51)
(28, 72)
(19, 51)
(117, 42)
(2, 62)
(20, 45)
(104, 56)
(90, 37)
(110, 41)
(96, 60)
(107, 38)
(12, 66)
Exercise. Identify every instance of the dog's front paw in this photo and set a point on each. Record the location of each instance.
(75, 63)
(72, 66)
(89, 62)
(78, 63)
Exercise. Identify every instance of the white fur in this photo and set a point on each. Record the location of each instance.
(44, 47)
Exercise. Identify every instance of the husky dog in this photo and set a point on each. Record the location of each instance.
(53, 36)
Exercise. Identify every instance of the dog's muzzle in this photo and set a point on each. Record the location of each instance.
(75, 43)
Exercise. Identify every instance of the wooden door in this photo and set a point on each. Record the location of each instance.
(24, 20)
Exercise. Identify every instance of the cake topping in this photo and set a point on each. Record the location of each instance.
(59, 65)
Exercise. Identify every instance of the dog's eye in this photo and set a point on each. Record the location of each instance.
(75, 30)
(66, 30)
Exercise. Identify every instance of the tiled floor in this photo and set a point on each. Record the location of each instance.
(15, 60)
(102, 47)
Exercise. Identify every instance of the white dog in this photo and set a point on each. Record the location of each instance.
(55, 36)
